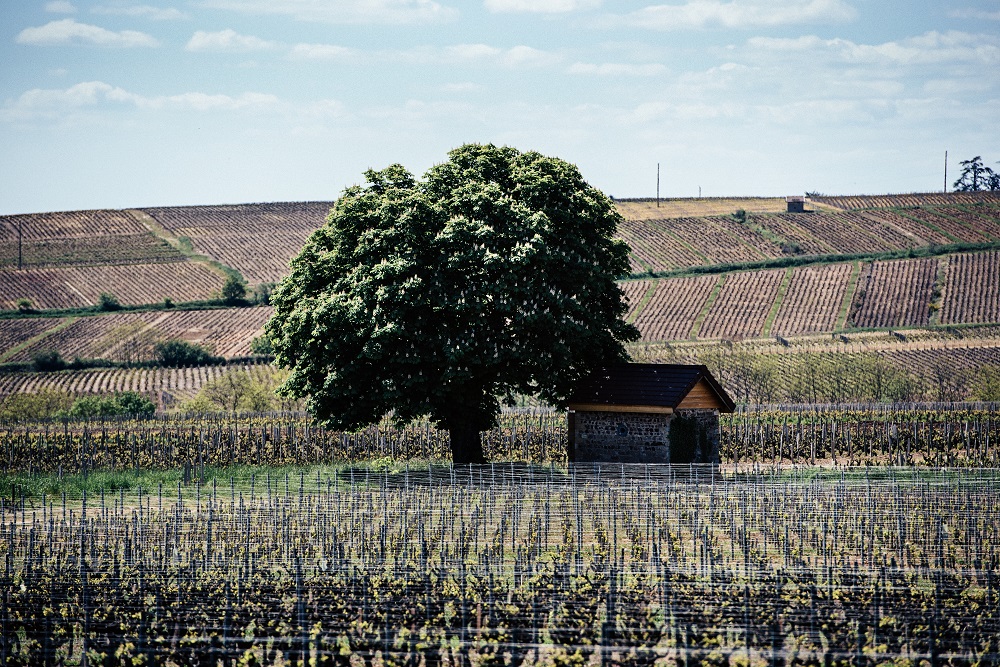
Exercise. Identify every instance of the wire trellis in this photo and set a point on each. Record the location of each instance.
(511, 564)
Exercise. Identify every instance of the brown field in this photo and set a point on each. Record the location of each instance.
(73, 287)
(788, 227)
(846, 233)
(711, 238)
(813, 299)
(655, 249)
(675, 306)
(258, 240)
(906, 201)
(634, 291)
(130, 337)
(949, 226)
(972, 289)
(895, 293)
(16, 332)
(166, 385)
(742, 305)
(77, 251)
(646, 209)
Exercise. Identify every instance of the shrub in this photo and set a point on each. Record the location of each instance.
(42, 404)
(740, 216)
(24, 305)
(262, 345)
(183, 353)
(234, 290)
(108, 301)
(168, 302)
(48, 360)
(127, 403)
(262, 293)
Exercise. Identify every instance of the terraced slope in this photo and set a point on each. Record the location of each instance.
(130, 337)
(258, 240)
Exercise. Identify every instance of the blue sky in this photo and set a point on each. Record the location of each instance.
(118, 103)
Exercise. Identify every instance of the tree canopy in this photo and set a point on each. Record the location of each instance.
(493, 276)
(976, 176)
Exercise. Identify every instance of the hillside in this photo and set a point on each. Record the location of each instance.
(701, 272)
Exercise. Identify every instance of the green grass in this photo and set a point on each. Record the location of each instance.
(696, 327)
(646, 298)
(845, 305)
(820, 260)
(776, 306)
(34, 339)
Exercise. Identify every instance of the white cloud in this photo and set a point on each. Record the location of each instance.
(464, 87)
(51, 104)
(976, 14)
(320, 52)
(60, 7)
(515, 57)
(68, 31)
(228, 41)
(142, 11)
(618, 69)
(734, 14)
(927, 49)
(540, 6)
(344, 11)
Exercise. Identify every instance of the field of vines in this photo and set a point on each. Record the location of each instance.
(674, 307)
(906, 201)
(813, 300)
(742, 305)
(951, 227)
(972, 289)
(509, 564)
(894, 293)
(134, 284)
(258, 240)
(166, 385)
(130, 337)
(926, 435)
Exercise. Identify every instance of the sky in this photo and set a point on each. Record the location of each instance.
(128, 103)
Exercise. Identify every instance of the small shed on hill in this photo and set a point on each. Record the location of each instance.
(796, 204)
(647, 413)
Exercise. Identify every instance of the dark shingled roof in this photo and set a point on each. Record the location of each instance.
(661, 385)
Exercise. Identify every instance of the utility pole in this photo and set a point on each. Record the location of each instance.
(946, 171)
(657, 185)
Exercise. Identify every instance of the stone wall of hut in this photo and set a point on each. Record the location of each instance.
(687, 436)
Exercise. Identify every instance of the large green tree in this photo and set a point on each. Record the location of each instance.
(444, 297)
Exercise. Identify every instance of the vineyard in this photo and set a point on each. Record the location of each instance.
(133, 284)
(130, 337)
(742, 306)
(508, 564)
(813, 300)
(258, 240)
(674, 307)
(894, 293)
(167, 385)
(972, 291)
(853, 203)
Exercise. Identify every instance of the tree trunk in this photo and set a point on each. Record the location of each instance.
(466, 445)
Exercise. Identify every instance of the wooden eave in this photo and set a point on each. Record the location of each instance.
(610, 407)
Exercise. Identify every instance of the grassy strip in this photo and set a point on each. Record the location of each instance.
(845, 305)
(209, 304)
(776, 306)
(925, 223)
(183, 245)
(694, 251)
(937, 293)
(736, 238)
(820, 260)
(34, 339)
(646, 298)
(696, 327)
(964, 223)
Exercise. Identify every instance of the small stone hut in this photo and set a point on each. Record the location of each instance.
(796, 204)
(647, 413)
